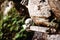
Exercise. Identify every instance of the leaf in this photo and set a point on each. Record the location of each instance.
(1, 24)
(16, 36)
(14, 22)
(11, 28)
(8, 25)
(16, 28)
(1, 34)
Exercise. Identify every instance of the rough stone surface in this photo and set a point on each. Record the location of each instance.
(39, 8)
(53, 37)
(44, 36)
(40, 12)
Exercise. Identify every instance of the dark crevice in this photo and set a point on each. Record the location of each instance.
(22, 9)
(52, 16)
(43, 0)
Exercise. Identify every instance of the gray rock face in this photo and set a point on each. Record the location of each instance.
(53, 37)
(44, 36)
(39, 11)
(39, 8)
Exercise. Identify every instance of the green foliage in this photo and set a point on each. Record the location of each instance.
(11, 26)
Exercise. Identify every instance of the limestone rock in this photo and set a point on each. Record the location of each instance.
(39, 11)
(44, 36)
(39, 8)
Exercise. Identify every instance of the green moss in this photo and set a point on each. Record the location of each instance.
(11, 24)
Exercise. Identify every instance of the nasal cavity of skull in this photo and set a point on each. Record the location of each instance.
(42, 1)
